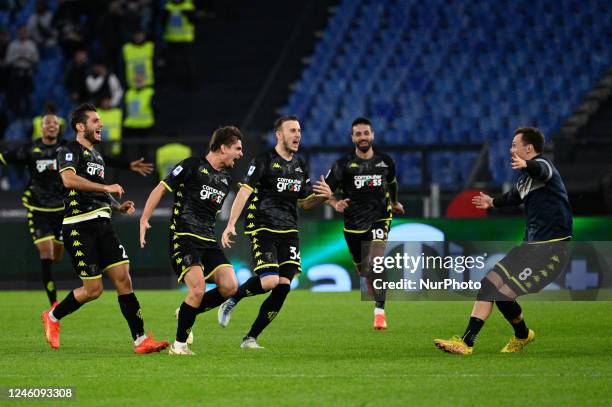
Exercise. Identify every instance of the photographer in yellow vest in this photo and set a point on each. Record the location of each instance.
(138, 59)
(139, 117)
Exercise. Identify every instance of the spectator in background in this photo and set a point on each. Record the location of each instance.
(139, 117)
(40, 26)
(68, 23)
(76, 75)
(5, 40)
(21, 59)
(111, 33)
(101, 83)
(179, 17)
(138, 60)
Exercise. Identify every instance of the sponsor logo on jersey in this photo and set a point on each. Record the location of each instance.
(382, 165)
(69, 157)
(288, 184)
(43, 165)
(94, 169)
(251, 170)
(177, 170)
(212, 194)
(367, 180)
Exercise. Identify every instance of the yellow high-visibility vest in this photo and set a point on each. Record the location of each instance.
(139, 60)
(37, 126)
(112, 132)
(178, 27)
(138, 109)
(168, 155)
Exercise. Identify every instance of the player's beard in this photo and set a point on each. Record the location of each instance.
(90, 135)
(364, 147)
(288, 147)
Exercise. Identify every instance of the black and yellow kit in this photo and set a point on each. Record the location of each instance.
(88, 233)
(271, 216)
(43, 195)
(199, 192)
(371, 187)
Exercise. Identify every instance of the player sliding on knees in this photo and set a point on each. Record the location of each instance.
(278, 182)
(539, 260)
(88, 233)
(369, 199)
(199, 185)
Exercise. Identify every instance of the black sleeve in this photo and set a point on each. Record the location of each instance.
(306, 189)
(177, 175)
(67, 159)
(116, 163)
(257, 168)
(334, 175)
(19, 155)
(510, 198)
(539, 169)
(391, 178)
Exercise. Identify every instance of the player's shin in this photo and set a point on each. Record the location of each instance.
(511, 310)
(269, 309)
(67, 306)
(130, 308)
(47, 279)
(212, 299)
(250, 287)
(186, 319)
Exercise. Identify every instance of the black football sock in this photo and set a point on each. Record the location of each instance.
(250, 287)
(67, 306)
(512, 311)
(212, 299)
(186, 319)
(48, 280)
(130, 308)
(471, 332)
(380, 304)
(269, 309)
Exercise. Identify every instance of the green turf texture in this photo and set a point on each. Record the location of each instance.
(320, 350)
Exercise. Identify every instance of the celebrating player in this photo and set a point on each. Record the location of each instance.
(369, 197)
(200, 185)
(279, 183)
(88, 234)
(43, 195)
(539, 260)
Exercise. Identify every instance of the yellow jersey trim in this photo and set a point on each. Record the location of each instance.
(44, 239)
(552, 240)
(252, 232)
(76, 217)
(297, 263)
(501, 266)
(366, 230)
(90, 278)
(215, 270)
(38, 208)
(196, 236)
(307, 198)
(68, 168)
(2, 159)
(166, 185)
(247, 186)
(265, 265)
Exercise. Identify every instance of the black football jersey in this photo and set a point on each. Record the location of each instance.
(277, 185)
(45, 189)
(366, 184)
(89, 164)
(199, 191)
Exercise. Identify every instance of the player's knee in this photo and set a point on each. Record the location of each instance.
(269, 282)
(197, 292)
(228, 288)
(488, 291)
(94, 292)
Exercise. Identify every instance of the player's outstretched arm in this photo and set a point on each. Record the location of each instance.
(237, 206)
(139, 166)
(73, 181)
(397, 208)
(482, 201)
(322, 193)
(152, 201)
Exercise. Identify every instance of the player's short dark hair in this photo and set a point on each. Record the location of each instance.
(278, 124)
(79, 115)
(226, 135)
(361, 120)
(533, 136)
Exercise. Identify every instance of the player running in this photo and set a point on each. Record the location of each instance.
(43, 197)
(199, 185)
(369, 198)
(539, 260)
(88, 234)
(278, 182)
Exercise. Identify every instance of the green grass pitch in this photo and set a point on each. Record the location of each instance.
(321, 350)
